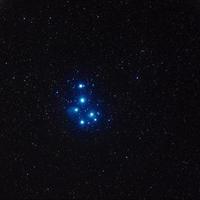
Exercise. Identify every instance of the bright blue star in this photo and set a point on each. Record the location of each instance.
(91, 114)
(81, 86)
(82, 100)
(76, 109)
(82, 122)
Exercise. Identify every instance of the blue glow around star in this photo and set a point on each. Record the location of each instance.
(81, 85)
(91, 114)
(76, 109)
(82, 100)
(83, 112)
(82, 122)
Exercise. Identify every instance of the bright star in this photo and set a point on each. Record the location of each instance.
(81, 85)
(95, 119)
(82, 122)
(82, 100)
(76, 109)
(91, 114)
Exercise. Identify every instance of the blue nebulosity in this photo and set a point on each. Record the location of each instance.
(83, 112)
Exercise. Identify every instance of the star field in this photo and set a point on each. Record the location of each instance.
(99, 99)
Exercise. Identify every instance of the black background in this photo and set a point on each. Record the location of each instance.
(144, 60)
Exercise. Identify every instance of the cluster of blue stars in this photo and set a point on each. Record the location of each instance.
(81, 111)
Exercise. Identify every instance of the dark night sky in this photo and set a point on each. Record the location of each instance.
(144, 59)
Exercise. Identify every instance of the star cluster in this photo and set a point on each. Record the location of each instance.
(82, 111)
(99, 99)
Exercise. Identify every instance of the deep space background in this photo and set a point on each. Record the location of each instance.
(143, 58)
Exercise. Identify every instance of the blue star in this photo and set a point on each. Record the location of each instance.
(91, 114)
(82, 100)
(82, 122)
(76, 109)
(81, 86)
